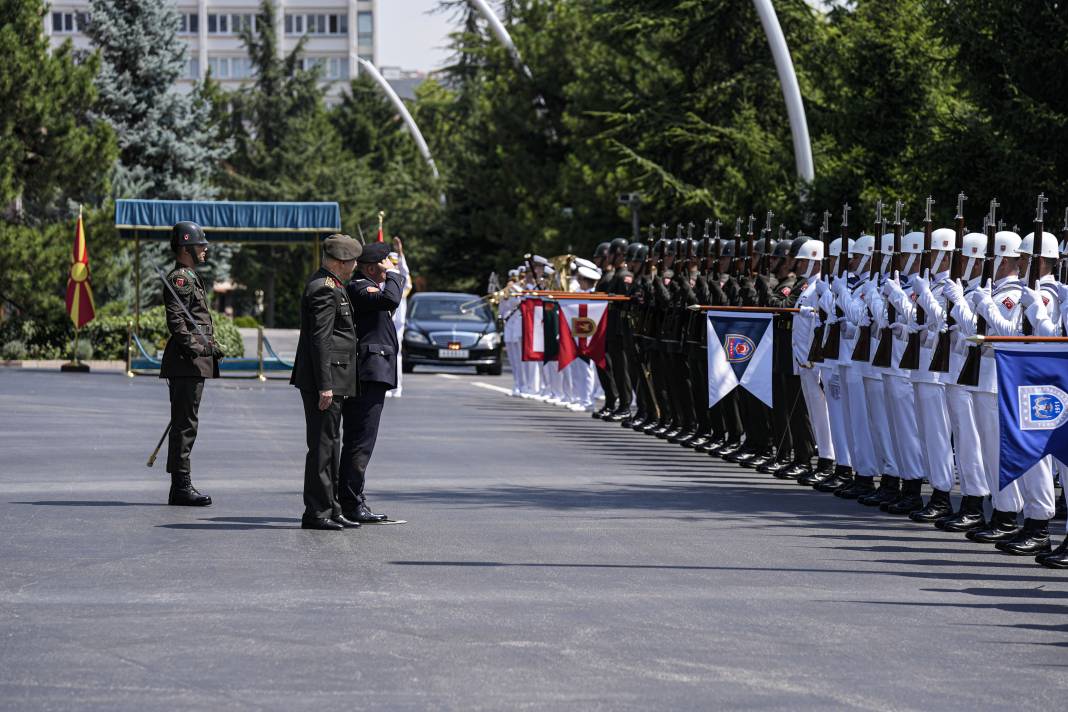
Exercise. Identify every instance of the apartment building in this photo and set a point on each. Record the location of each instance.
(337, 31)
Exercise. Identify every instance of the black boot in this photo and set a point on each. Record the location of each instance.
(184, 494)
(1031, 540)
(889, 489)
(937, 507)
(910, 500)
(824, 471)
(1002, 527)
(841, 479)
(968, 518)
(1061, 512)
(1056, 559)
(861, 486)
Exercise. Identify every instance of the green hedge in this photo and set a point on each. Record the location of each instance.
(102, 338)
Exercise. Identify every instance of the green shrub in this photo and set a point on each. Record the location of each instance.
(245, 322)
(40, 338)
(13, 350)
(108, 334)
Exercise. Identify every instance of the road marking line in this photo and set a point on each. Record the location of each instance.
(492, 387)
(448, 375)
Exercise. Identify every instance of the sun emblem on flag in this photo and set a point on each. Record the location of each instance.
(583, 327)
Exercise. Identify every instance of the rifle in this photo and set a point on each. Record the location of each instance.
(969, 372)
(910, 357)
(691, 252)
(719, 249)
(706, 245)
(765, 256)
(940, 358)
(1036, 253)
(750, 248)
(815, 349)
(886, 336)
(833, 346)
(736, 264)
(862, 351)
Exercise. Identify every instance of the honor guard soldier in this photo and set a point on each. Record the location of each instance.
(325, 370)
(191, 356)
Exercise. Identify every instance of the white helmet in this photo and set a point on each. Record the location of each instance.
(944, 239)
(863, 245)
(811, 250)
(887, 244)
(836, 247)
(1049, 245)
(1006, 244)
(912, 243)
(973, 249)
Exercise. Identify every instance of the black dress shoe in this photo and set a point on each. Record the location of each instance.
(326, 525)
(345, 521)
(741, 457)
(184, 494)
(841, 479)
(641, 425)
(681, 435)
(670, 433)
(968, 518)
(695, 442)
(910, 500)
(1055, 559)
(364, 515)
(1032, 539)
(888, 490)
(727, 448)
(1002, 527)
(862, 486)
(824, 470)
(652, 426)
(791, 471)
(714, 442)
(938, 506)
(598, 414)
(618, 416)
(769, 467)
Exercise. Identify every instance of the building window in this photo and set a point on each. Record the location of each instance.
(241, 68)
(365, 29)
(242, 22)
(69, 22)
(191, 69)
(316, 24)
(337, 68)
(189, 23)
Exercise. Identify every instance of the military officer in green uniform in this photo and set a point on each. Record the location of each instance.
(191, 356)
(326, 370)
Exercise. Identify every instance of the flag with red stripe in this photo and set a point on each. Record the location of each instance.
(80, 305)
(533, 314)
(583, 331)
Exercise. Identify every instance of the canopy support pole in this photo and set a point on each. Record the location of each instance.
(137, 282)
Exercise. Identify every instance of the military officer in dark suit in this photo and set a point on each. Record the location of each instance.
(191, 356)
(375, 292)
(325, 371)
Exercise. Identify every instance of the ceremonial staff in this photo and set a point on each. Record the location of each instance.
(910, 357)
(969, 372)
(940, 358)
(833, 344)
(884, 351)
(862, 351)
(815, 350)
(207, 344)
(1036, 253)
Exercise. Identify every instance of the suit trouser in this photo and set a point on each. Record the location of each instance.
(835, 395)
(642, 390)
(620, 370)
(932, 418)
(780, 414)
(802, 442)
(582, 379)
(901, 406)
(322, 432)
(1037, 492)
(967, 443)
(661, 368)
(986, 420)
(698, 361)
(185, 405)
(881, 425)
(862, 452)
(818, 415)
(515, 363)
(362, 415)
(532, 377)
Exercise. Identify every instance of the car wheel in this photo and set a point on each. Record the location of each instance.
(407, 367)
(495, 369)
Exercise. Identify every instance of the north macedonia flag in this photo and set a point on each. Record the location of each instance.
(80, 304)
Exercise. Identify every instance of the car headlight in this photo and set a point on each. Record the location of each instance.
(490, 341)
(415, 337)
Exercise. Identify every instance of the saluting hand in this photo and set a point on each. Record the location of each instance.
(398, 246)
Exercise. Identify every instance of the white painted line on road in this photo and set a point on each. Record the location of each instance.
(492, 387)
(448, 375)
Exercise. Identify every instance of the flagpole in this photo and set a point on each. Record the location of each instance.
(75, 363)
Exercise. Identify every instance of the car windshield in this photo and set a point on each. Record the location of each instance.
(448, 309)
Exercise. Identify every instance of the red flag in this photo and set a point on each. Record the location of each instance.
(533, 330)
(583, 331)
(80, 304)
(380, 238)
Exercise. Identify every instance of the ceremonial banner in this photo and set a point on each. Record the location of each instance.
(1032, 406)
(739, 354)
(550, 319)
(80, 305)
(583, 331)
(533, 329)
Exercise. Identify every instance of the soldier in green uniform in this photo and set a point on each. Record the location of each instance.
(191, 356)
(326, 370)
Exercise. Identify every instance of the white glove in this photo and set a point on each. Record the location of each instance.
(919, 284)
(1062, 292)
(953, 291)
(1028, 297)
(807, 312)
(892, 288)
(839, 285)
(821, 287)
(899, 329)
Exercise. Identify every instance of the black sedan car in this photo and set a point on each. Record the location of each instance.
(448, 328)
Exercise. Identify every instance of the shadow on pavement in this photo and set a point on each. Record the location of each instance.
(90, 503)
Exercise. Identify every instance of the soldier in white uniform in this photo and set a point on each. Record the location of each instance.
(400, 314)
(804, 327)
(513, 331)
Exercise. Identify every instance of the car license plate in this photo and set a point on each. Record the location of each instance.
(453, 353)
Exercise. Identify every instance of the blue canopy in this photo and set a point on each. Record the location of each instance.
(228, 221)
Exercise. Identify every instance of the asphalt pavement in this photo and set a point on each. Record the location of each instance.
(549, 561)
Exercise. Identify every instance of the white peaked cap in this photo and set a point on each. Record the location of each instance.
(589, 272)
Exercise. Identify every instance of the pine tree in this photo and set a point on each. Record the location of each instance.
(165, 139)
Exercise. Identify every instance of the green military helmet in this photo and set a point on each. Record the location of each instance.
(186, 234)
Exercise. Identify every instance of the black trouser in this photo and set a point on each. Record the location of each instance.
(620, 371)
(682, 390)
(636, 360)
(661, 369)
(359, 434)
(185, 403)
(698, 360)
(782, 366)
(800, 429)
(322, 431)
(755, 420)
(604, 375)
(732, 421)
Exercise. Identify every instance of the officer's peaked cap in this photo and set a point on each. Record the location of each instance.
(373, 253)
(342, 247)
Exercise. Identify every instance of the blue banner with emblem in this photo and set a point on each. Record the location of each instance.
(1032, 406)
(739, 354)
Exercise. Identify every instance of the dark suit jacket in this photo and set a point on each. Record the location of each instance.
(186, 354)
(326, 352)
(374, 308)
